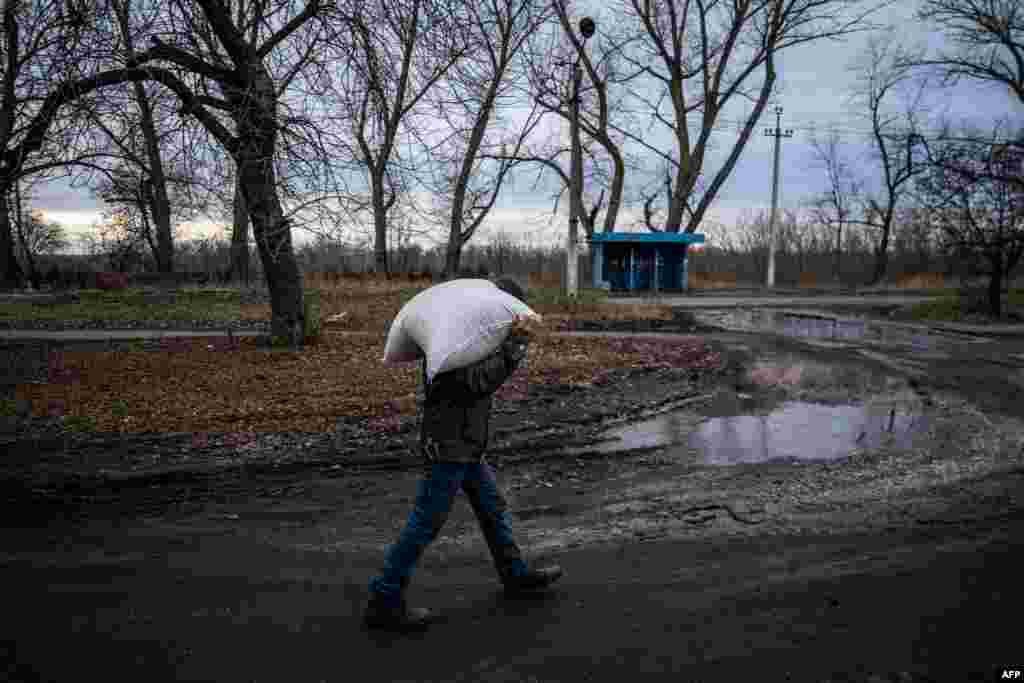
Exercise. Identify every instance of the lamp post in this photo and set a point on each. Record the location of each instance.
(587, 28)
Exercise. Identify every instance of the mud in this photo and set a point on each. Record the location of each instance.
(249, 562)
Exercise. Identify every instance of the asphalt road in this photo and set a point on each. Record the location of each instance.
(138, 602)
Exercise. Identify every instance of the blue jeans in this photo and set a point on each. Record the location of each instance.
(434, 498)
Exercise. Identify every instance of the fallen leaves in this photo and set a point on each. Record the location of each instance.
(227, 384)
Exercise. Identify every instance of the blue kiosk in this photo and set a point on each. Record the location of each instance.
(625, 261)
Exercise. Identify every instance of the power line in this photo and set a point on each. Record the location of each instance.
(842, 131)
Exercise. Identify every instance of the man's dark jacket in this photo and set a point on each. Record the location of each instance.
(457, 406)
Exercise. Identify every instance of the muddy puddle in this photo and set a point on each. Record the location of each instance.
(796, 431)
(824, 326)
(788, 409)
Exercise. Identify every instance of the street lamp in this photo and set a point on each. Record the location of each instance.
(587, 29)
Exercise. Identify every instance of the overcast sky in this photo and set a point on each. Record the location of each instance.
(813, 90)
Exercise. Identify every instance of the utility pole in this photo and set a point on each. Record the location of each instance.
(776, 133)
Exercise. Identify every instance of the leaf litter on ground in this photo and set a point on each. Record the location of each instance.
(207, 385)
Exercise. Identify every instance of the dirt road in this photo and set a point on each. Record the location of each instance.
(898, 563)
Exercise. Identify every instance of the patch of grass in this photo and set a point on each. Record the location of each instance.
(946, 308)
(954, 304)
(214, 294)
(945, 292)
(8, 407)
(133, 304)
(406, 293)
(555, 297)
(119, 408)
(80, 423)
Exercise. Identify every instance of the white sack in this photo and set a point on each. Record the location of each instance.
(455, 323)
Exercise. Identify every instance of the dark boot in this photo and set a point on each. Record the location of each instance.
(401, 618)
(532, 580)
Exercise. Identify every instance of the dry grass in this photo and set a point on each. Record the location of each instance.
(921, 281)
(712, 280)
(370, 304)
(808, 280)
(544, 281)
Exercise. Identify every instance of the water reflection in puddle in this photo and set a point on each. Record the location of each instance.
(801, 431)
(827, 327)
(795, 431)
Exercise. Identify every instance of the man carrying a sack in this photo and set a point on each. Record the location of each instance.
(453, 438)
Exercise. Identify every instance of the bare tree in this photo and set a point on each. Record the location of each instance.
(753, 238)
(36, 236)
(397, 52)
(42, 43)
(117, 239)
(149, 160)
(128, 191)
(914, 241)
(601, 106)
(895, 138)
(987, 38)
(835, 207)
(693, 57)
(977, 193)
(233, 85)
(242, 72)
(39, 236)
(499, 251)
(478, 91)
(794, 238)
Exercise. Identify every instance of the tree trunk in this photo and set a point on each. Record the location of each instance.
(160, 205)
(257, 125)
(615, 197)
(881, 256)
(674, 220)
(240, 236)
(380, 225)
(995, 286)
(839, 252)
(11, 275)
(453, 251)
(452, 257)
(30, 259)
